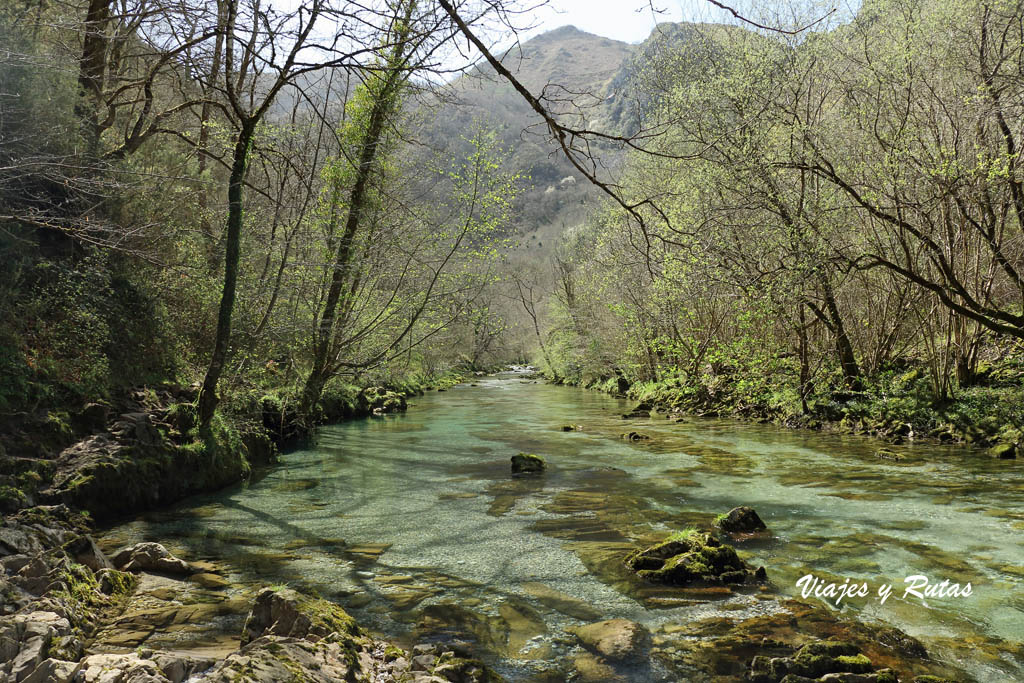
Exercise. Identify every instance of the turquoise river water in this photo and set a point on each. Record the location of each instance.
(413, 523)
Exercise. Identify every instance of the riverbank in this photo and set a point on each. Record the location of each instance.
(59, 592)
(61, 473)
(142, 449)
(897, 408)
(61, 597)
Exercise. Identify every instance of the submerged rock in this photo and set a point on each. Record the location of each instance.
(741, 520)
(634, 436)
(693, 558)
(887, 454)
(640, 410)
(616, 640)
(527, 463)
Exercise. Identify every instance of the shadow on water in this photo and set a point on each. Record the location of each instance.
(414, 523)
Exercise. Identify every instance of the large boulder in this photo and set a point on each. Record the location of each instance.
(290, 614)
(616, 640)
(270, 659)
(85, 551)
(741, 520)
(1003, 451)
(380, 401)
(692, 558)
(120, 668)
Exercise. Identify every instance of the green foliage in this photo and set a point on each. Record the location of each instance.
(80, 329)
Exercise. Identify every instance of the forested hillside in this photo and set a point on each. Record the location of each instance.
(827, 227)
(195, 206)
(564, 63)
(300, 301)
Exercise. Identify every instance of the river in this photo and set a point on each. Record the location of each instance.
(413, 523)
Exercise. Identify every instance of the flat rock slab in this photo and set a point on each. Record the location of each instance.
(617, 640)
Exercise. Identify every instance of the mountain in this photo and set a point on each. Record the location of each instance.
(554, 195)
(590, 81)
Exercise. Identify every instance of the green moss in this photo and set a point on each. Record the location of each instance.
(527, 463)
(688, 557)
(12, 498)
(184, 417)
(1003, 451)
(855, 663)
(328, 617)
(122, 583)
(391, 653)
(829, 648)
(683, 535)
(60, 424)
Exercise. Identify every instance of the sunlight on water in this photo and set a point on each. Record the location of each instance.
(413, 522)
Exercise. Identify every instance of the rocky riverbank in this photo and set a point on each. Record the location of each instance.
(896, 409)
(70, 613)
(144, 450)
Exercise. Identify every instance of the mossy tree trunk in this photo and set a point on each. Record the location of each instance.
(385, 94)
(232, 251)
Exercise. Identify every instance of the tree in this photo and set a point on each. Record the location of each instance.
(254, 73)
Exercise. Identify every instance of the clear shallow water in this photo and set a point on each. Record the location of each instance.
(414, 523)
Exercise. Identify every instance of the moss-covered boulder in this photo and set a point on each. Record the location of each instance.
(290, 614)
(527, 463)
(1003, 451)
(380, 401)
(692, 558)
(814, 660)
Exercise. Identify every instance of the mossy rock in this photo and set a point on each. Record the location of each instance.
(696, 558)
(741, 520)
(1003, 451)
(887, 454)
(829, 656)
(291, 614)
(634, 436)
(527, 463)
(12, 499)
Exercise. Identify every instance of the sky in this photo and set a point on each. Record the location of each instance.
(626, 20)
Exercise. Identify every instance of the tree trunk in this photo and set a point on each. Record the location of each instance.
(384, 105)
(844, 349)
(805, 365)
(90, 71)
(204, 138)
(208, 394)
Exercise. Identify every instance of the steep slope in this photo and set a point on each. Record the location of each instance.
(596, 82)
(553, 195)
